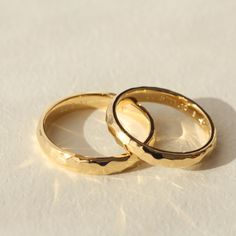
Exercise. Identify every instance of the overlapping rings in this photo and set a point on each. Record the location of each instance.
(135, 150)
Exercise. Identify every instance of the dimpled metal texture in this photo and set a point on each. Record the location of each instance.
(74, 161)
(147, 152)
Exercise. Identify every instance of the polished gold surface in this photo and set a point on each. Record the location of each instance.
(87, 164)
(148, 153)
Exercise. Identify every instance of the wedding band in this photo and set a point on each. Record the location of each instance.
(75, 161)
(148, 153)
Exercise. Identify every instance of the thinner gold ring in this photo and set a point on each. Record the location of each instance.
(153, 155)
(75, 161)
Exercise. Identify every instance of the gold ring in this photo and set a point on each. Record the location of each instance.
(145, 151)
(75, 161)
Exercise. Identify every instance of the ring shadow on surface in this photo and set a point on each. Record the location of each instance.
(224, 117)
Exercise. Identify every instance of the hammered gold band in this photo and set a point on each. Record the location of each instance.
(75, 161)
(146, 152)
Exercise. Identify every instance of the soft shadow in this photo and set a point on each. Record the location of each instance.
(224, 117)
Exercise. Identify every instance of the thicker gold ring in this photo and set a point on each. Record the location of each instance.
(152, 155)
(75, 161)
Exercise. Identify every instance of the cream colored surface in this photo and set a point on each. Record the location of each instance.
(52, 49)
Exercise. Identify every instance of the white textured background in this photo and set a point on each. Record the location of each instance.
(51, 49)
